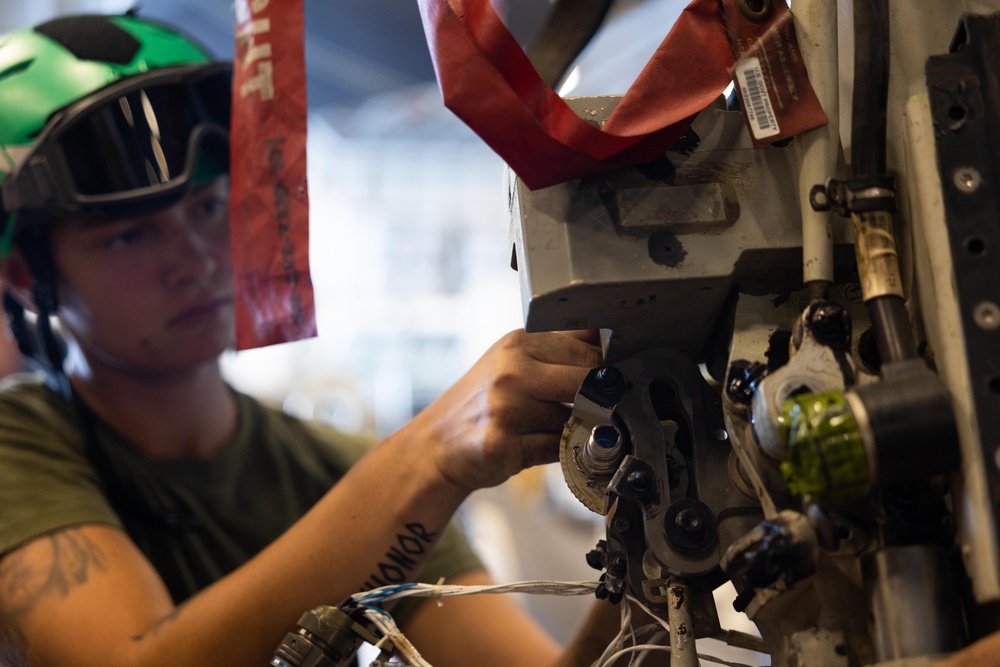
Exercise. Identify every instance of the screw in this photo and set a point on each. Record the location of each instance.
(967, 179)
(987, 315)
(621, 525)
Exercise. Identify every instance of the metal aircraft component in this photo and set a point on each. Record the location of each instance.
(672, 507)
(821, 361)
(756, 417)
(639, 250)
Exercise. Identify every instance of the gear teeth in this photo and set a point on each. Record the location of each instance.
(575, 478)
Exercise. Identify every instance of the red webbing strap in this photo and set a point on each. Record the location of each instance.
(269, 208)
(488, 82)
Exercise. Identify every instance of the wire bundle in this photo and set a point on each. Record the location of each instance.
(630, 641)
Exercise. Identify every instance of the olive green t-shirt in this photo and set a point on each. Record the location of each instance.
(196, 520)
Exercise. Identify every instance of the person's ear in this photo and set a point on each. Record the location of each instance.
(17, 279)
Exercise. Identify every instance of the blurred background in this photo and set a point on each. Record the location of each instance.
(409, 250)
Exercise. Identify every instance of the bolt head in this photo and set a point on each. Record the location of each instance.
(689, 520)
(640, 480)
(608, 379)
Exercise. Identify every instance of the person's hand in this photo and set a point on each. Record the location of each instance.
(507, 412)
(982, 653)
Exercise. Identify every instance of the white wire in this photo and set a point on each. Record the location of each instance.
(535, 587)
(391, 633)
(384, 622)
(619, 640)
(635, 649)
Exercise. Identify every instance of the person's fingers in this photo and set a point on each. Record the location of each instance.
(555, 383)
(591, 336)
(517, 411)
(539, 449)
(558, 348)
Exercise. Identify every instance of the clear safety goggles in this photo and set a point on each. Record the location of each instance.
(137, 142)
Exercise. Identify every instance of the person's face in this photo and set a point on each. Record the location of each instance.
(151, 293)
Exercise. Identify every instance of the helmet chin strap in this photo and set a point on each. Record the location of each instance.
(41, 345)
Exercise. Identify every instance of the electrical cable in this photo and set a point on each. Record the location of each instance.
(535, 587)
(390, 633)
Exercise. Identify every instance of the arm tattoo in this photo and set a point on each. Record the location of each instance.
(69, 562)
(403, 558)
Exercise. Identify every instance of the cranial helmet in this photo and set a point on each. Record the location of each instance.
(112, 113)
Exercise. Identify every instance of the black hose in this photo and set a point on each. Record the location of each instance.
(893, 333)
(871, 87)
(888, 312)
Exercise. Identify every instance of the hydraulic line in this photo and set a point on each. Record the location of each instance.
(875, 245)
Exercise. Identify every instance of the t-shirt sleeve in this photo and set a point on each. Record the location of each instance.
(46, 482)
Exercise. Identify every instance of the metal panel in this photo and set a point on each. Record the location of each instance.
(653, 252)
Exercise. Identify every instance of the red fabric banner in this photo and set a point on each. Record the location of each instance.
(269, 208)
(487, 80)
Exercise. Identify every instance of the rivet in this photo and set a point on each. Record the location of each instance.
(987, 315)
(967, 179)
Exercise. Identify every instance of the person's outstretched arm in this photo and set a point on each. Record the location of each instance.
(87, 596)
(464, 629)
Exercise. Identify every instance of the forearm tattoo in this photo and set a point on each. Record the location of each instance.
(71, 560)
(403, 558)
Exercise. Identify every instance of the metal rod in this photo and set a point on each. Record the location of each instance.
(683, 652)
(914, 602)
(817, 150)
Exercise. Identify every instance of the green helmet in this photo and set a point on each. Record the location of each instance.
(102, 111)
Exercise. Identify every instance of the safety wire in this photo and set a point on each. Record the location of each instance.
(623, 644)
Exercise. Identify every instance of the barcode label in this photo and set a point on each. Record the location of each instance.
(756, 102)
